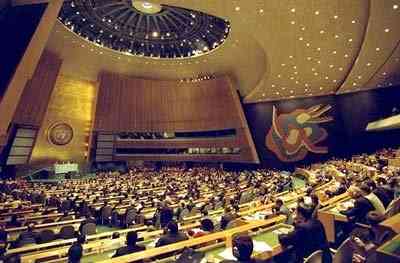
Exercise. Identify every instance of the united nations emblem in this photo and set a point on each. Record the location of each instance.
(60, 134)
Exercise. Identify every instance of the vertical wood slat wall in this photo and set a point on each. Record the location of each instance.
(36, 95)
(133, 104)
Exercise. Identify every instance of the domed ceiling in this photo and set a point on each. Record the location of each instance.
(276, 49)
(145, 29)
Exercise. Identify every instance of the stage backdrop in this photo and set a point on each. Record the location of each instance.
(301, 131)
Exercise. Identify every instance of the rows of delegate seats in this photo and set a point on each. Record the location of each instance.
(144, 190)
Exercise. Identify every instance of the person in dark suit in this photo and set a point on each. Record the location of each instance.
(28, 236)
(166, 215)
(173, 235)
(13, 222)
(242, 248)
(3, 234)
(380, 192)
(361, 206)
(75, 252)
(227, 217)
(131, 246)
(308, 236)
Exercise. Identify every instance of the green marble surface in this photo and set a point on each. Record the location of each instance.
(393, 247)
(269, 237)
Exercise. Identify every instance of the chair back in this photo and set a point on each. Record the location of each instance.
(67, 232)
(47, 221)
(130, 216)
(46, 235)
(393, 208)
(88, 229)
(26, 241)
(344, 253)
(106, 212)
(315, 257)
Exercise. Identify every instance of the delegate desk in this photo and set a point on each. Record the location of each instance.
(389, 252)
(13, 233)
(214, 237)
(268, 236)
(330, 216)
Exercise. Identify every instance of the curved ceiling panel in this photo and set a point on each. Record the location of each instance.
(145, 29)
(376, 64)
(277, 49)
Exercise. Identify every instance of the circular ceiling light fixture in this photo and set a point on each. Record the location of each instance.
(145, 29)
(146, 7)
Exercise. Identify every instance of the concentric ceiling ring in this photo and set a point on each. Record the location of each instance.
(145, 29)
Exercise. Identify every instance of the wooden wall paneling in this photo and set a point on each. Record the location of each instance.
(36, 95)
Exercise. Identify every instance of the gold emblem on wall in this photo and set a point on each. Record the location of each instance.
(60, 134)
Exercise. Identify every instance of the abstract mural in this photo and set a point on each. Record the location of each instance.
(292, 135)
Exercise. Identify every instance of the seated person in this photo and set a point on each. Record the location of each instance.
(75, 252)
(362, 245)
(227, 217)
(242, 248)
(27, 237)
(281, 209)
(308, 236)
(362, 206)
(131, 247)
(173, 235)
(206, 226)
(3, 234)
(380, 193)
(13, 222)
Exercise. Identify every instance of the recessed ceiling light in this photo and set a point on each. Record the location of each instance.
(293, 10)
(334, 52)
(326, 77)
(293, 22)
(354, 84)
(387, 30)
(334, 81)
(273, 85)
(353, 21)
(331, 66)
(316, 12)
(309, 58)
(294, 67)
(237, 8)
(346, 55)
(283, 64)
(290, 56)
(395, 7)
(340, 69)
(368, 64)
(277, 93)
(303, 28)
(261, 11)
(359, 77)
(316, 73)
(322, 31)
(301, 38)
(292, 78)
(291, 91)
(336, 36)
(377, 49)
(321, 88)
(350, 40)
(312, 69)
(335, 17)
(308, 44)
(279, 75)
(319, 49)
(384, 73)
